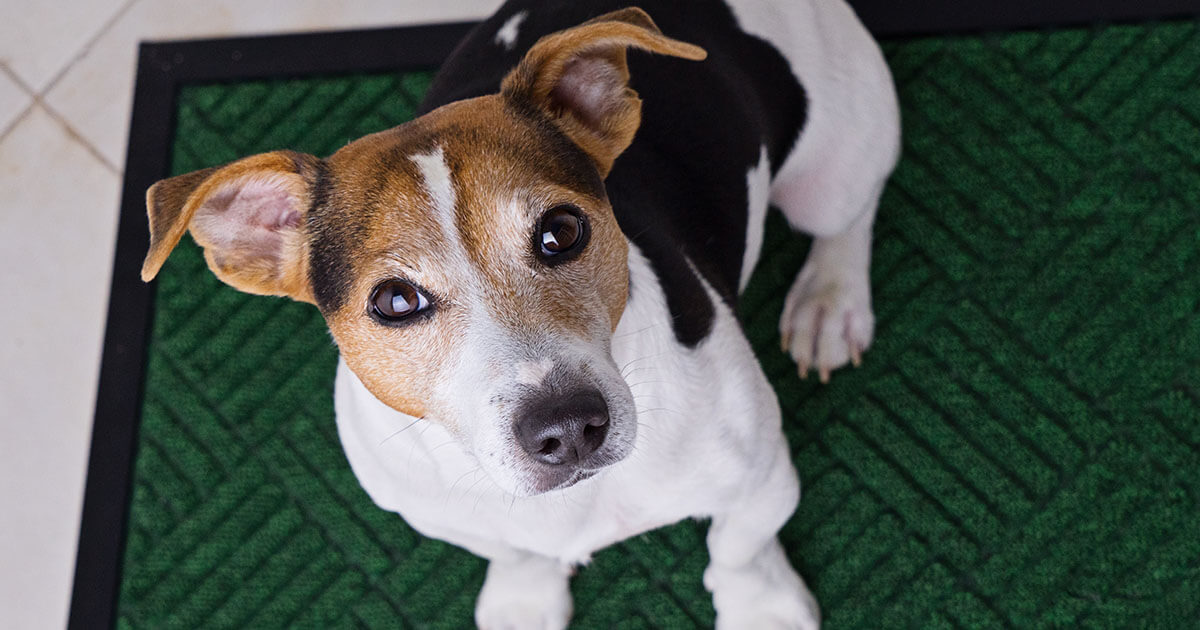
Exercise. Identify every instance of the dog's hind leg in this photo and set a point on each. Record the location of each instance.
(830, 188)
(524, 590)
(830, 183)
(752, 582)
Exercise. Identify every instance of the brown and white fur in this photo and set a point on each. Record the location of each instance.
(450, 205)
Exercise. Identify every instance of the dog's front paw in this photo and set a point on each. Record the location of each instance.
(530, 594)
(766, 594)
(513, 615)
(766, 619)
(827, 319)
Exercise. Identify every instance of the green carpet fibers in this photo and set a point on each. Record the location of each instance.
(1021, 448)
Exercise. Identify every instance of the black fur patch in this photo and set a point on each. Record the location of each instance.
(331, 236)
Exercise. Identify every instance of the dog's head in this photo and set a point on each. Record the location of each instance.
(468, 262)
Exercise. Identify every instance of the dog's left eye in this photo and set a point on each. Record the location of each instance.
(396, 300)
(562, 233)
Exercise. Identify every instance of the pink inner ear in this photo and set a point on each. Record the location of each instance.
(247, 219)
(288, 218)
(590, 87)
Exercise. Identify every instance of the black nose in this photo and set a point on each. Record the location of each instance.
(563, 428)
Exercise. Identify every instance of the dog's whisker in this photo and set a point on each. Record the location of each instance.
(446, 443)
(645, 403)
(643, 425)
(645, 397)
(398, 432)
(494, 486)
(461, 477)
(450, 492)
(478, 497)
(663, 409)
(626, 375)
(641, 358)
(632, 362)
(640, 383)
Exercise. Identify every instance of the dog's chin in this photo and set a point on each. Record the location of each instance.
(549, 479)
(571, 479)
(542, 478)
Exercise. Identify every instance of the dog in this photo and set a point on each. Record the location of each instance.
(532, 284)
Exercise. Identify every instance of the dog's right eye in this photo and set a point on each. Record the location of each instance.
(561, 234)
(394, 301)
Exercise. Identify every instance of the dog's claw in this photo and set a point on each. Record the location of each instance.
(827, 320)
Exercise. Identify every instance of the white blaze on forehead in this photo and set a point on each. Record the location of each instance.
(440, 187)
(758, 193)
(507, 35)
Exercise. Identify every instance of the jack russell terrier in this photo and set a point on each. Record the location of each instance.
(535, 308)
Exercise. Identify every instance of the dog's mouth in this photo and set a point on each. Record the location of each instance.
(561, 480)
(575, 477)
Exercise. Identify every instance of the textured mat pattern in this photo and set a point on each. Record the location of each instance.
(1021, 448)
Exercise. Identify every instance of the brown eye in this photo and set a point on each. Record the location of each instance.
(562, 234)
(395, 300)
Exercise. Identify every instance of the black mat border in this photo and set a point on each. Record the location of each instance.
(164, 67)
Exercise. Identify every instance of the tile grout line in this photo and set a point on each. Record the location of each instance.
(39, 103)
(87, 47)
(39, 100)
(24, 111)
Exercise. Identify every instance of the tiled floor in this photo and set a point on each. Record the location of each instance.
(66, 86)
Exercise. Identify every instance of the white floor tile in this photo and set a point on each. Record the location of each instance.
(57, 230)
(13, 100)
(41, 38)
(110, 63)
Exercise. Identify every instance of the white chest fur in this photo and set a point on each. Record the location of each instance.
(705, 416)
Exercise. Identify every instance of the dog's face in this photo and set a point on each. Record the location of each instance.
(486, 274)
(468, 263)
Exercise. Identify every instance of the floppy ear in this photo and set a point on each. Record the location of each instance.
(247, 215)
(580, 79)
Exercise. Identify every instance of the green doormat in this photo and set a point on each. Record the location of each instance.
(1021, 448)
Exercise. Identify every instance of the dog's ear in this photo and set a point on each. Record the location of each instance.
(247, 215)
(580, 79)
